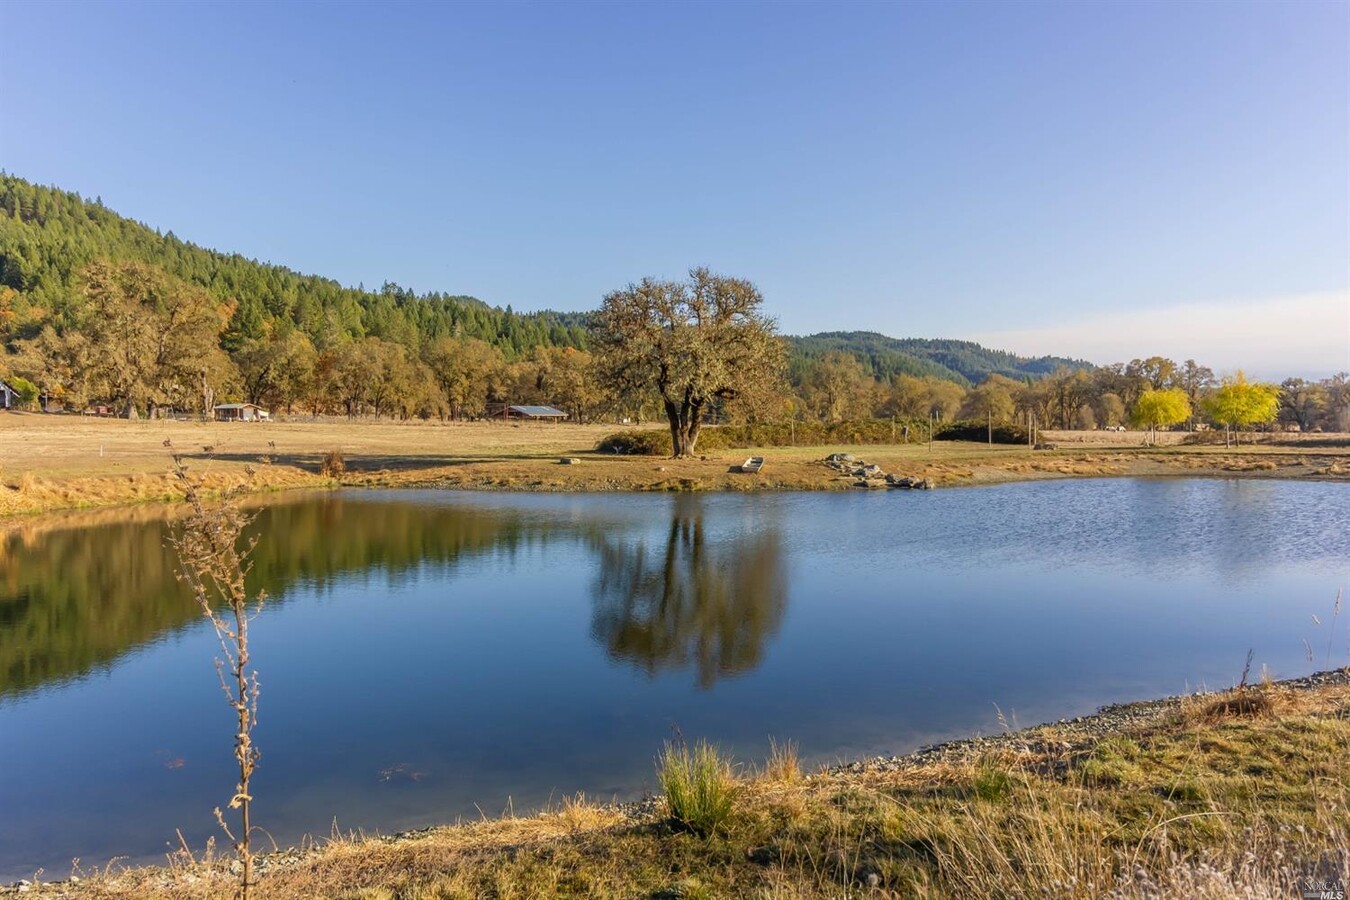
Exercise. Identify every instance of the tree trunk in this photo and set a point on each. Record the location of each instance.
(692, 431)
(676, 434)
(685, 422)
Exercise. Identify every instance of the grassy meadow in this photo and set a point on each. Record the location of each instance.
(52, 463)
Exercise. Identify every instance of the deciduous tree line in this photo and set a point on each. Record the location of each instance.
(1144, 393)
(145, 341)
(141, 340)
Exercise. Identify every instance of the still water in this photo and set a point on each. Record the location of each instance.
(426, 655)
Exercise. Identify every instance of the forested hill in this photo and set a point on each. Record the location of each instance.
(48, 236)
(964, 362)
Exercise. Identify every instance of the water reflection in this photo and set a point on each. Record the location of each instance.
(665, 595)
(688, 600)
(74, 599)
(433, 653)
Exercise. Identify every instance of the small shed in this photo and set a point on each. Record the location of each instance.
(241, 412)
(537, 413)
(9, 398)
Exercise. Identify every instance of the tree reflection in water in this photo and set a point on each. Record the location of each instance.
(691, 602)
(75, 599)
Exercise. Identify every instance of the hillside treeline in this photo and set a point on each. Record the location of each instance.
(48, 237)
(963, 362)
(838, 388)
(97, 308)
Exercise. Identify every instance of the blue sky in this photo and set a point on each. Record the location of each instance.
(1094, 179)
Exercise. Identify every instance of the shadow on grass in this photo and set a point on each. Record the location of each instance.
(365, 463)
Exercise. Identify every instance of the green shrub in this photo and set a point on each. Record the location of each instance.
(991, 782)
(773, 434)
(811, 434)
(979, 431)
(26, 391)
(636, 443)
(700, 786)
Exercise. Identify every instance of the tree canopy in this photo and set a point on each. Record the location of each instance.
(695, 342)
(1239, 403)
(1157, 408)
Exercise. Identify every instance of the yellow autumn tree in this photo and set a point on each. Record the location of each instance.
(1239, 403)
(1156, 409)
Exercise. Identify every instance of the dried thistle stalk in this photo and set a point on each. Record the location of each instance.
(215, 567)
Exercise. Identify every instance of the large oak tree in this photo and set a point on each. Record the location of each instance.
(695, 342)
(141, 339)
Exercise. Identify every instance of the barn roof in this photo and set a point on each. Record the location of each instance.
(236, 405)
(542, 411)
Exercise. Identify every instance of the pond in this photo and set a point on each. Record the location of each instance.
(427, 655)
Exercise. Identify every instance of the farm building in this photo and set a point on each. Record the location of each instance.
(9, 398)
(241, 412)
(537, 413)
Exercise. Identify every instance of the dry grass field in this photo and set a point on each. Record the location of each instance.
(63, 462)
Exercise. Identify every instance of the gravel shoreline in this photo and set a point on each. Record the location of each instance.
(1067, 736)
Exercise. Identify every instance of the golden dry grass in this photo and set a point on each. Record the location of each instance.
(62, 462)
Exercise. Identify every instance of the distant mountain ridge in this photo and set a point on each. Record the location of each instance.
(964, 362)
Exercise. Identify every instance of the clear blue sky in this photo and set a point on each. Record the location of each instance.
(1009, 171)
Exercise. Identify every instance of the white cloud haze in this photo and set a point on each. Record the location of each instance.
(1305, 335)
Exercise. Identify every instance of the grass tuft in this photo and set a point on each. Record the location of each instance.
(700, 786)
(991, 782)
(1244, 705)
(783, 765)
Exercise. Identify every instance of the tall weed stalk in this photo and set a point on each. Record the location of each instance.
(215, 566)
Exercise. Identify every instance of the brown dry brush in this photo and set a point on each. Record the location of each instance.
(215, 566)
(333, 464)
